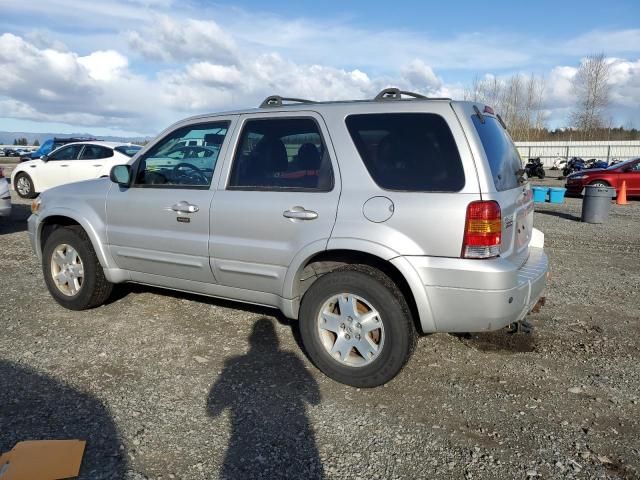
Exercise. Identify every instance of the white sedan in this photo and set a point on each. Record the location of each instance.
(70, 163)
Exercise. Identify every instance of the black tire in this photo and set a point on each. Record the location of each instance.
(541, 174)
(30, 193)
(95, 289)
(599, 183)
(400, 336)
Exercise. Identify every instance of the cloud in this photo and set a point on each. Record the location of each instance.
(183, 40)
(141, 64)
(104, 65)
(421, 76)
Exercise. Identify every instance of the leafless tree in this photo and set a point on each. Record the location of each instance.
(592, 92)
(517, 99)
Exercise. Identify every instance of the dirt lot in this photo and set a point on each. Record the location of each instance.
(167, 385)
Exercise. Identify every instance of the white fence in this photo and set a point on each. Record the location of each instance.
(549, 151)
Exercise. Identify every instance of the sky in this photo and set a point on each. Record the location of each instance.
(133, 67)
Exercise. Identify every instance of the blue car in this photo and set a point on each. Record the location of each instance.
(50, 145)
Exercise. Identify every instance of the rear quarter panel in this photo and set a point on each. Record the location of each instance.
(422, 223)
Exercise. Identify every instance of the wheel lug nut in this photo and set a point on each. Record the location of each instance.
(347, 336)
(357, 337)
(342, 326)
(358, 325)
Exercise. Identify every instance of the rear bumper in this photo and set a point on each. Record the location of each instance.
(481, 295)
(5, 208)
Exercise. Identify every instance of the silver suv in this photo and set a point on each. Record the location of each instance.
(369, 221)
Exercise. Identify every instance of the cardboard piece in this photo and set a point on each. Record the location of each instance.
(42, 460)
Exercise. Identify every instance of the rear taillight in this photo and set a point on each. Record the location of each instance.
(483, 230)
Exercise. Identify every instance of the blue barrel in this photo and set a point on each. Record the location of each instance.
(540, 194)
(556, 194)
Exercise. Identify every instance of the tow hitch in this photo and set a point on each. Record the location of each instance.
(523, 326)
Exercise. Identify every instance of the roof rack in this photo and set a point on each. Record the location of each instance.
(396, 94)
(277, 101)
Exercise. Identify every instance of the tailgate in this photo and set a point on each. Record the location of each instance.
(507, 186)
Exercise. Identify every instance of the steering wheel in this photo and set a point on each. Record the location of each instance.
(196, 175)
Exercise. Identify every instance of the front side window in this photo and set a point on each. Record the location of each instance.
(186, 158)
(95, 152)
(70, 152)
(281, 154)
(408, 151)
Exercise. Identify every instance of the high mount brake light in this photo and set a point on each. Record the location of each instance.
(483, 230)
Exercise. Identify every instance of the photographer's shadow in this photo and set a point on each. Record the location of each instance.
(266, 391)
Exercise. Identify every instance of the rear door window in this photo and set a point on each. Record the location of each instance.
(281, 154)
(408, 151)
(504, 159)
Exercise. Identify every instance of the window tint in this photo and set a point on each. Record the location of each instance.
(277, 154)
(504, 159)
(94, 152)
(66, 153)
(186, 158)
(408, 151)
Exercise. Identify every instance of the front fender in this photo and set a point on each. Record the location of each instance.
(89, 221)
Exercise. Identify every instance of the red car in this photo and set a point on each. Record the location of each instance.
(628, 171)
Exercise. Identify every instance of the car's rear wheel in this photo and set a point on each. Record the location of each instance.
(71, 270)
(24, 186)
(356, 326)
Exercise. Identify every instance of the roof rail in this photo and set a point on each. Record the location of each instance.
(277, 101)
(396, 94)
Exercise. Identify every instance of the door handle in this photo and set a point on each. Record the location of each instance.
(97, 165)
(184, 207)
(64, 165)
(300, 213)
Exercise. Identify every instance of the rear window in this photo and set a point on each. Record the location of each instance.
(128, 150)
(408, 151)
(504, 159)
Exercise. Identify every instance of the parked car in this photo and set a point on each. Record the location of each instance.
(367, 220)
(5, 195)
(613, 176)
(2, 154)
(51, 144)
(11, 152)
(70, 163)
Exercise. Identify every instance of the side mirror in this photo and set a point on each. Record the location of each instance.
(44, 158)
(121, 174)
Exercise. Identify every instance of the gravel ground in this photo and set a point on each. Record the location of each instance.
(168, 385)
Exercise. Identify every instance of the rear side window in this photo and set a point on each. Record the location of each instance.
(504, 159)
(129, 150)
(408, 151)
(95, 152)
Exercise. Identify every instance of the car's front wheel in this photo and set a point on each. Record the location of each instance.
(356, 326)
(599, 183)
(24, 186)
(71, 270)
